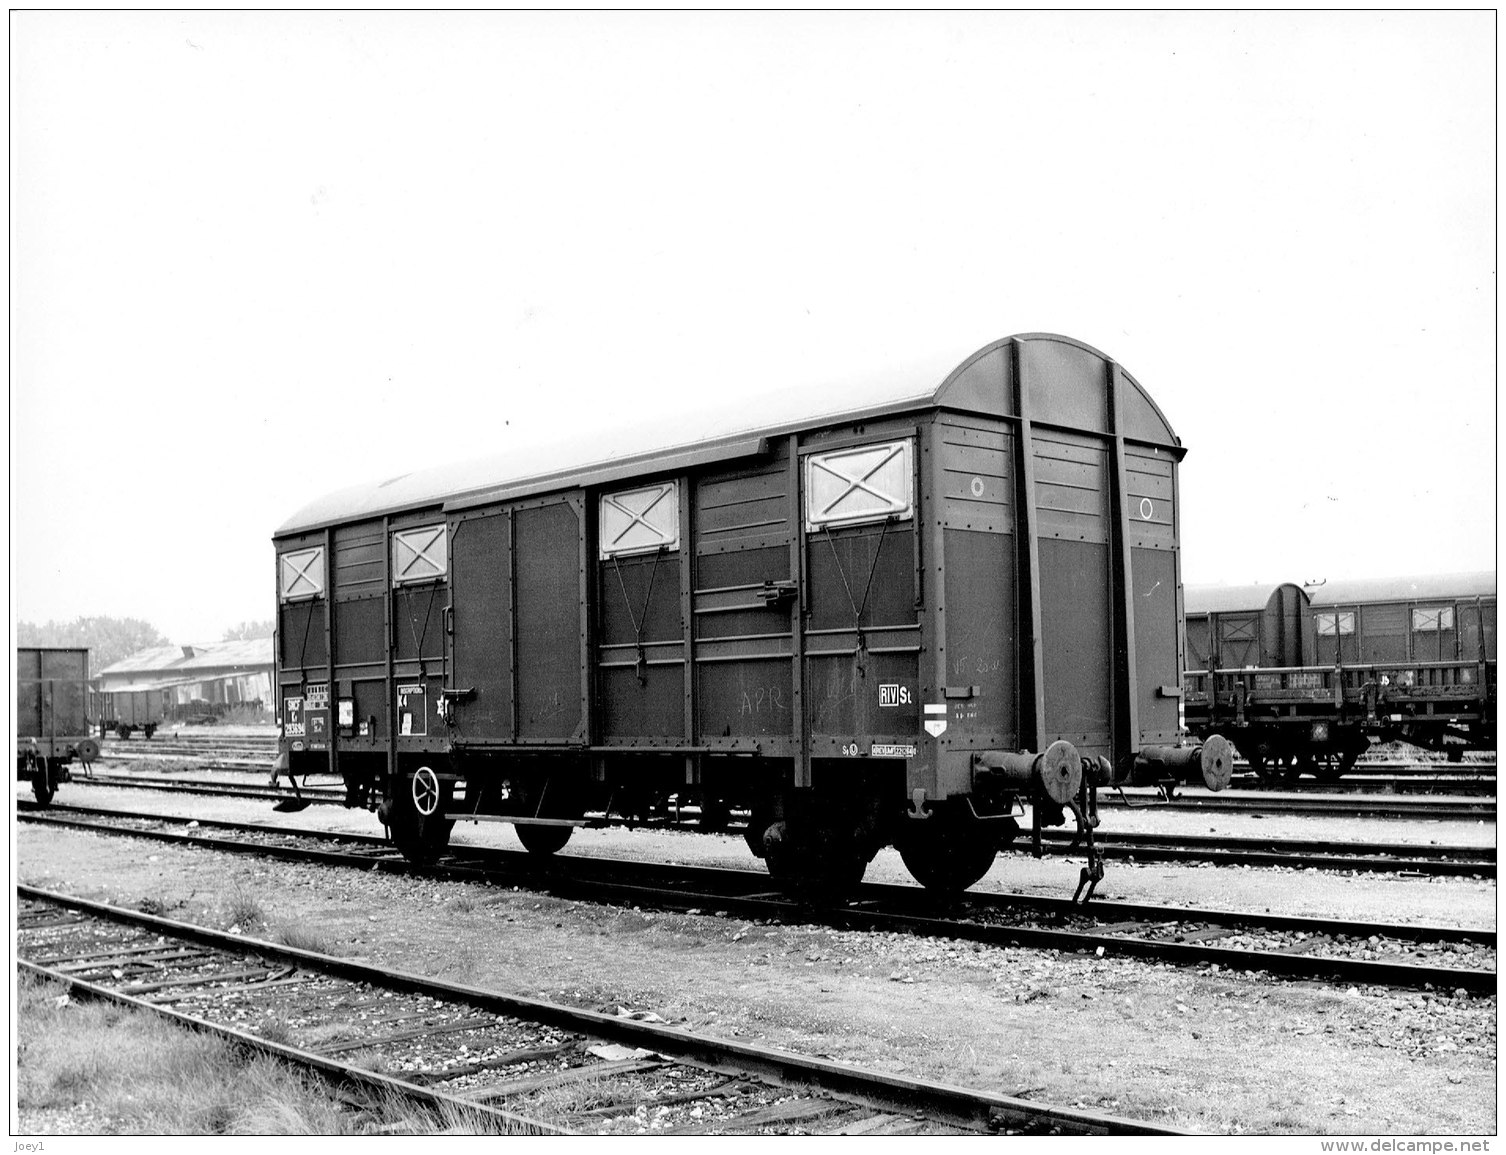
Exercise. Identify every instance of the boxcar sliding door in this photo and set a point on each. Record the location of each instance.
(518, 623)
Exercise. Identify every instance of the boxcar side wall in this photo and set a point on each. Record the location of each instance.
(863, 600)
(744, 683)
(360, 599)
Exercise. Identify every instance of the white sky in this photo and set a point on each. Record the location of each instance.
(256, 257)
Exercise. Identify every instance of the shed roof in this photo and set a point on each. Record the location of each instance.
(163, 683)
(200, 658)
(740, 426)
(1438, 587)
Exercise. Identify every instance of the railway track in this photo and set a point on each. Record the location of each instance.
(1429, 860)
(229, 753)
(253, 789)
(508, 1062)
(1426, 784)
(1368, 953)
(1270, 802)
(1397, 857)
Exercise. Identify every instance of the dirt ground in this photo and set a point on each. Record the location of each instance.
(1223, 1052)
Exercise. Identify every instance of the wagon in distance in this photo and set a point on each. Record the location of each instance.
(52, 726)
(126, 709)
(1303, 679)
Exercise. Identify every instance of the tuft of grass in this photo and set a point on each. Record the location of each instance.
(370, 1059)
(301, 936)
(243, 909)
(138, 1074)
(465, 964)
(453, 1121)
(276, 1030)
(558, 1103)
(273, 1117)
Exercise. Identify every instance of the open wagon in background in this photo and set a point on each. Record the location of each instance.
(893, 618)
(125, 710)
(52, 724)
(1304, 678)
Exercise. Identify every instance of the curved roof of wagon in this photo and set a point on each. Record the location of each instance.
(733, 430)
(1479, 584)
(1219, 599)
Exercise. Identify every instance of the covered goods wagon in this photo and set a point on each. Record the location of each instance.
(890, 619)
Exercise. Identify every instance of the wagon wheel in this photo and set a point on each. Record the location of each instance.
(1329, 768)
(1256, 758)
(758, 823)
(1279, 770)
(542, 839)
(947, 857)
(714, 813)
(42, 784)
(545, 839)
(814, 862)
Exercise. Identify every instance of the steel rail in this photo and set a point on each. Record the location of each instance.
(943, 1101)
(378, 853)
(888, 907)
(1455, 860)
(1223, 851)
(1465, 787)
(1347, 805)
(331, 1069)
(1298, 854)
(319, 795)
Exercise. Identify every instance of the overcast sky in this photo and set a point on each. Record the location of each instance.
(256, 257)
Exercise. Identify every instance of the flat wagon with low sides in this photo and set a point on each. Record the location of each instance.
(1304, 678)
(52, 726)
(897, 622)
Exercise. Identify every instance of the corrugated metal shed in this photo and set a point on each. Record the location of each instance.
(202, 659)
(144, 684)
(1431, 587)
